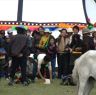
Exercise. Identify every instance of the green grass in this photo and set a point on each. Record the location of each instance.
(38, 88)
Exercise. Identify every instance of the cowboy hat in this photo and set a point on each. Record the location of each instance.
(86, 31)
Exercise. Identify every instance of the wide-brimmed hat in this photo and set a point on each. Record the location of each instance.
(93, 29)
(86, 31)
(62, 30)
(21, 29)
(69, 30)
(47, 31)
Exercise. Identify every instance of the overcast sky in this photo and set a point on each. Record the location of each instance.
(91, 10)
(53, 11)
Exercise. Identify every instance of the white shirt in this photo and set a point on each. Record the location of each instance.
(41, 61)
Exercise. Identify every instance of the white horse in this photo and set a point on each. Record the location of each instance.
(84, 72)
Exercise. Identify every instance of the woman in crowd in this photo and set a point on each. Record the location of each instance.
(43, 43)
(51, 51)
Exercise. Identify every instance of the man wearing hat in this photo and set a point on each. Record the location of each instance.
(94, 36)
(70, 31)
(19, 50)
(88, 43)
(63, 55)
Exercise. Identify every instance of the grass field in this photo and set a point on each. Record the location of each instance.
(38, 88)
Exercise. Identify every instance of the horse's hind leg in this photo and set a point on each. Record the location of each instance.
(82, 85)
(89, 86)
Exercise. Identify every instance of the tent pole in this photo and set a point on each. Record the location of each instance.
(20, 8)
(85, 12)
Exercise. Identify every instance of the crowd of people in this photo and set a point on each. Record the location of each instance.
(34, 53)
